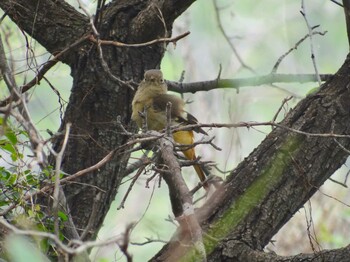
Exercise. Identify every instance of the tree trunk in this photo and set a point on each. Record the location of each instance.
(97, 99)
(275, 181)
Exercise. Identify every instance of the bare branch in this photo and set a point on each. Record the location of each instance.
(303, 12)
(45, 68)
(125, 242)
(243, 82)
(78, 248)
(190, 231)
(253, 124)
(5, 70)
(56, 191)
(232, 46)
(285, 100)
(144, 160)
(92, 218)
(148, 241)
(275, 67)
(152, 42)
(139, 172)
(108, 157)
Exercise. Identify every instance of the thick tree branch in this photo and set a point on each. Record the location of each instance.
(270, 185)
(242, 82)
(54, 24)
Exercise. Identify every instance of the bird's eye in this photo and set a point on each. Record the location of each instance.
(161, 80)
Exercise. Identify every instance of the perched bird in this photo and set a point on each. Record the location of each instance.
(151, 97)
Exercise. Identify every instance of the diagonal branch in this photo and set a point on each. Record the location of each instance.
(54, 24)
(189, 232)
(279, 176)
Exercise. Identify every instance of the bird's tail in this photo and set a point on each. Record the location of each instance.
(186, 138)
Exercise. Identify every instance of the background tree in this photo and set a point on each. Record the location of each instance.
(260, 196)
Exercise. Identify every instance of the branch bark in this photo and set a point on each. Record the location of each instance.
(247, 254)
(189, 232)
(243, 82)
(279, 176)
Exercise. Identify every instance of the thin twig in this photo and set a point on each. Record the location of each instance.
(285, 100)
(125, 242)
(46, 67)
(56, 191)
(78, 248)
(337, 182)
(5, 70)
(275, 67)
(152, 42)
(148, 241)
(253, 124)
(106, 67)
(143, 161)
(93, 216)
(102, 162)
(310, 29)
(91, 18)
(232, 46)
(337, 3)
(168, 117)
(139, 172)
(98, 15)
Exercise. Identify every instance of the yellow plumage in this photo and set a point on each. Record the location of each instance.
(152, 97)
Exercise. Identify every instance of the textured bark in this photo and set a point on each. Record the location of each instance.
(96, 99)
(278, 177)
(235, 251)
(54, 24)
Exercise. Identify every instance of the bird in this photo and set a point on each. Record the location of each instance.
(152, 98)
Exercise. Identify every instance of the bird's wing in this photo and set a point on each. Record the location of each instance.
(178, 113)
(160, 102)
(191, 120)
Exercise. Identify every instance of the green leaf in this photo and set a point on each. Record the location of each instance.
(4, 174)
(11, 137)
(11, 149)
(12, 179)
(103, 260)
(62, 215)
